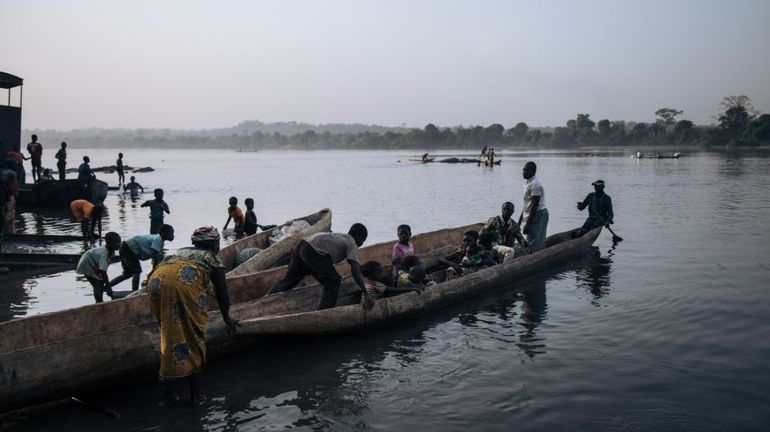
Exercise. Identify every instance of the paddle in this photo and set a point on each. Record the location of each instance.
(616, 238)
(266, 227)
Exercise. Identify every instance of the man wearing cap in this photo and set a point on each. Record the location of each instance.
(599, 208)
(534, 216)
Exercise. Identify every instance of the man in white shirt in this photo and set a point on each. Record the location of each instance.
(534, 216)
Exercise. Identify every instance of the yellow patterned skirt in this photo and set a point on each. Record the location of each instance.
(178, 291)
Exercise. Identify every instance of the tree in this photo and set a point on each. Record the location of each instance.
(605, 128)
(493, 133)
(737, 112)
(683, 131)
(520, 130)
(583, 122)
(667, 116)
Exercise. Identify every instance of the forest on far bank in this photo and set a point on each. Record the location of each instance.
(738, 125)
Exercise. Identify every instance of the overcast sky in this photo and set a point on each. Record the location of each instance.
(190, 64)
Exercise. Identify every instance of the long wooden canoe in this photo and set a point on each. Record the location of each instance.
(559, 248)
(320, 221)
(58, 193)
(38, 259)
(59, 354)
(41, 238)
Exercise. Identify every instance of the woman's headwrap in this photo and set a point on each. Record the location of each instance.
(206, 233)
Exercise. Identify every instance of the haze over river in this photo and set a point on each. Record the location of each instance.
(667, 330)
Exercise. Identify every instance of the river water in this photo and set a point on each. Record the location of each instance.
(667, 330)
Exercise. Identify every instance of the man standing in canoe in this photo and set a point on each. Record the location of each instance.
(316, 256)
(534, 217)
(35, 150)
(599, 208)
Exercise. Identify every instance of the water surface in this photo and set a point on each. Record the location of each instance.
(668, 330)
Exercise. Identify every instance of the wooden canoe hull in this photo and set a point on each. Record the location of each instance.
(394, 309)
(271, 255)
(41, 238)
(38, 259)
(319, 222)
(54, 355)
(57, 193)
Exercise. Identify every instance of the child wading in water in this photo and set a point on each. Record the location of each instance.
(236, 214)
(157, 208)
(94, 263)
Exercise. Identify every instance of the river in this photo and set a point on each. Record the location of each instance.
(667, 330)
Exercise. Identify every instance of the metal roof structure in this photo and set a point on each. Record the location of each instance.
(8, 81)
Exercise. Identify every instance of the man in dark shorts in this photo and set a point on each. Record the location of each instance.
(316, 256)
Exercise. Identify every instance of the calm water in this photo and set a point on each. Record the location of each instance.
(669, 330)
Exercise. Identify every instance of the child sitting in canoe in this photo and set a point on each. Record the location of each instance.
(403, 247)
(467, 259)
(488, 248)
(250, 224)
(375, 278)
(417, 278)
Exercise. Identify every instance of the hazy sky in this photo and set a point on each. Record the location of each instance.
(191, 64)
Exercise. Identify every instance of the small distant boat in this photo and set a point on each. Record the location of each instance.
(421, 160)
(485, 162)
(58, 193)
(640, 155)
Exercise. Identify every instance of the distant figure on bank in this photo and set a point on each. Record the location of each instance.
(179, 289)
(534, 216)
(85, 175)
(250, 225)
(89, 216)
(133, 187)
(599, 209)
(141, 248)
(61, 161)
(94, 263)
(35, 150)
(157, 208)
(316, 256)
(236, 214)
(119, 168)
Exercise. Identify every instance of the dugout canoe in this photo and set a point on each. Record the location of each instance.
(80, 350)
(271, 255)
(60, 193)
(559, 249)
(421, 160)
(38, 259)
(41, 238)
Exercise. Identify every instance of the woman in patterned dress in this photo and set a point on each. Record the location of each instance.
(178, 291)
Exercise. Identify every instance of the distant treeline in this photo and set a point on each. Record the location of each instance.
(738, 125)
